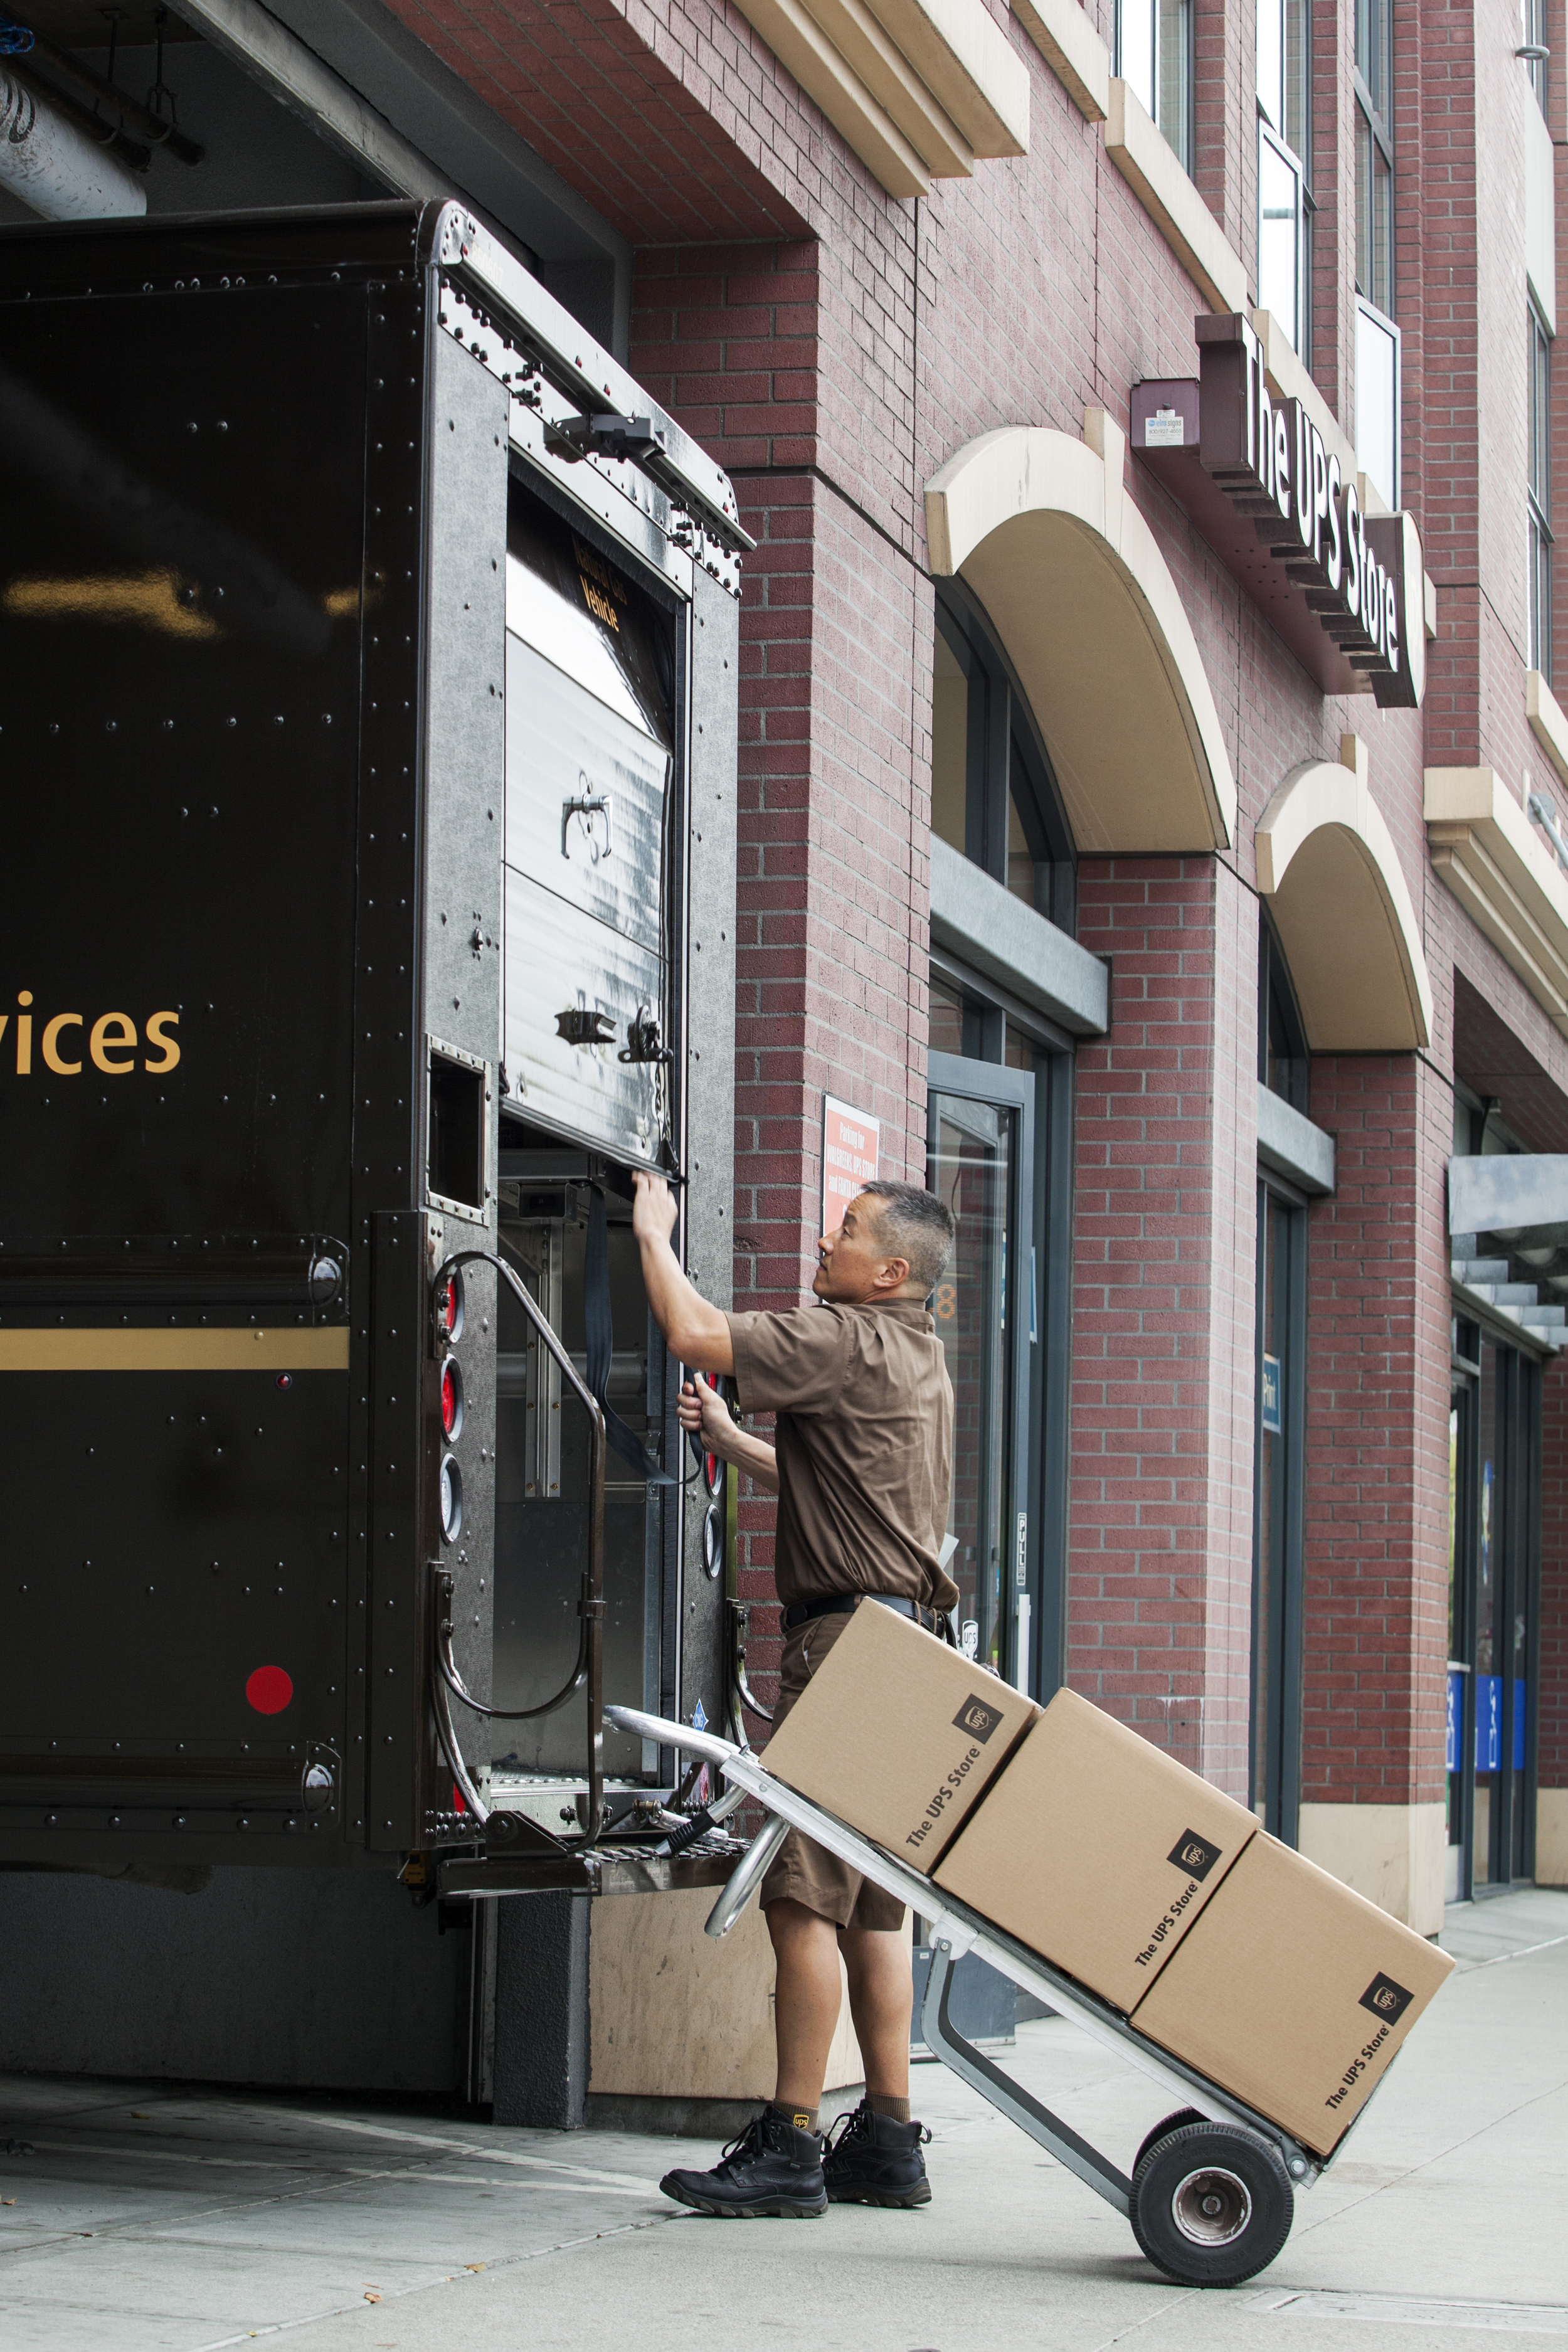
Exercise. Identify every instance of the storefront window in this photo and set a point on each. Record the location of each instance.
(1494, 1445)
(947, 1011)
(1282, 1064)
(949, 746)
(993, 795)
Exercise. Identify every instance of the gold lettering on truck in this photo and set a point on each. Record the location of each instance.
(112, 1042)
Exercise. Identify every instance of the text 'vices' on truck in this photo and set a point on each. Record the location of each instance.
(370, 743)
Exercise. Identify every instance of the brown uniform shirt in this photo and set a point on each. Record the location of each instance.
(864, 1442)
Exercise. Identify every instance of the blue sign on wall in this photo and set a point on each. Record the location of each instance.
(1271, 1395)
(1489, 1723)
(1456, 1720)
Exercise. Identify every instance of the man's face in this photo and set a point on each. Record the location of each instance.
(853, 1265)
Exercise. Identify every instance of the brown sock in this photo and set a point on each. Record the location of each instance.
(803, 2118)
(896, 2110)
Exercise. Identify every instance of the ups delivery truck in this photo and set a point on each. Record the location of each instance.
(369, 746)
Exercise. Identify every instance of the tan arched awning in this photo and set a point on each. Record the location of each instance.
(1329, 869)
(1040, 527)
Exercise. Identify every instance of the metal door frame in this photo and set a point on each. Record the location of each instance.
(1013, 1090)
(1280, 1640)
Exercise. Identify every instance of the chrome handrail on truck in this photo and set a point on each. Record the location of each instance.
(956, 1929)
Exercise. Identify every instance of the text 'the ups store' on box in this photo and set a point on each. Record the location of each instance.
(1293, 1993)
(1097, 1850)
(898, 1735)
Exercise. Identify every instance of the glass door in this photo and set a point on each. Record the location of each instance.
(1494, 1570)
(980, 1145)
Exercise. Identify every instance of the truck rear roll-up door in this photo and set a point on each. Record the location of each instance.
(589, 776)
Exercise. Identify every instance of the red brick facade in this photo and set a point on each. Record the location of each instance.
(834, 347)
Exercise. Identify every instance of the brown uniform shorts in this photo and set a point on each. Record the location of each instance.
(801, 1871)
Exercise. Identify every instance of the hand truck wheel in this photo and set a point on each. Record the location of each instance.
(1171, 2122)
(1212, 2203)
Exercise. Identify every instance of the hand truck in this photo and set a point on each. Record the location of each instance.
(1212, 2193)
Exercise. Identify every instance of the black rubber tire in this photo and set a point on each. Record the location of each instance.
(1171, 2122)
(1218, 2233)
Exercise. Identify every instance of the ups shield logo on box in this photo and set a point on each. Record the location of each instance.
(1193, 1855)
(978, 1717)
(1386, 2000)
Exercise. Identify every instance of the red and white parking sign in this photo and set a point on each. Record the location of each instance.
(851, 1145)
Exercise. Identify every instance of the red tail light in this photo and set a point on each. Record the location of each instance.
(451, 1397)
(449, 1308)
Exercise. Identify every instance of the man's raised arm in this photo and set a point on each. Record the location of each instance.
(695, 1333)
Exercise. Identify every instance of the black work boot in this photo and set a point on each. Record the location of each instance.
(876, 2161)
(771, 2168)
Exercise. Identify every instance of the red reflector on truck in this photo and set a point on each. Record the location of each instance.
(269, 1690)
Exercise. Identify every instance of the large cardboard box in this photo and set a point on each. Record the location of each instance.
(1292, 1993)
(1097, 1850)
(898, 1733)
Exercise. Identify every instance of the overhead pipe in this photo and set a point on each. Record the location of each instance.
(55, 168)
(154, 127)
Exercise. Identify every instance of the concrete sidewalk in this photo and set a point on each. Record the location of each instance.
(164, 2222)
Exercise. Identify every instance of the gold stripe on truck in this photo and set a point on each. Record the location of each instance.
(245, 1350)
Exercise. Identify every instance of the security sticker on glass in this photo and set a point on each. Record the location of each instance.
(1193, 1855)
(978, 1717)
(1386, 2000)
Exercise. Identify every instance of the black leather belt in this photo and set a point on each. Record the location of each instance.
(844, 1604)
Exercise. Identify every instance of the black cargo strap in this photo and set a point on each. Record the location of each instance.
(599, 1330)
(844, 1604)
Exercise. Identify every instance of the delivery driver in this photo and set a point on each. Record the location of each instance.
(862, 1470)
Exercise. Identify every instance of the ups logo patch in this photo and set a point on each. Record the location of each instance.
(978, 1717)
(1193, 1855)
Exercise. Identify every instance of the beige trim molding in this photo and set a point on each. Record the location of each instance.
(969, 66)
(1486, 849)
(1066, 38)
(1148, 165)
(325, 1348)
(1327, 864)
(917, 88)
(1040, 527)
(1548, 723)
(1394, 1854)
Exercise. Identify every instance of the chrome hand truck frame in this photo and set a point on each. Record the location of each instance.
(1210, 2194)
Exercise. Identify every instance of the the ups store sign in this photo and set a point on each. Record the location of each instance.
(1343, 587)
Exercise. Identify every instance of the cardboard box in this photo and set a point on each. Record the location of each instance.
(898, 1733)
(1293, 1993)
(1097, 1850)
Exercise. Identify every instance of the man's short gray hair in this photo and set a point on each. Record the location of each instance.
(915, 1225)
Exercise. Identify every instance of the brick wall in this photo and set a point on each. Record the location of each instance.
(1160, 1510)
(1375, 1550)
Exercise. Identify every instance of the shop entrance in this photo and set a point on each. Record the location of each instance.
(1494, 1517)
(980, 1146)
(1279, 1436)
